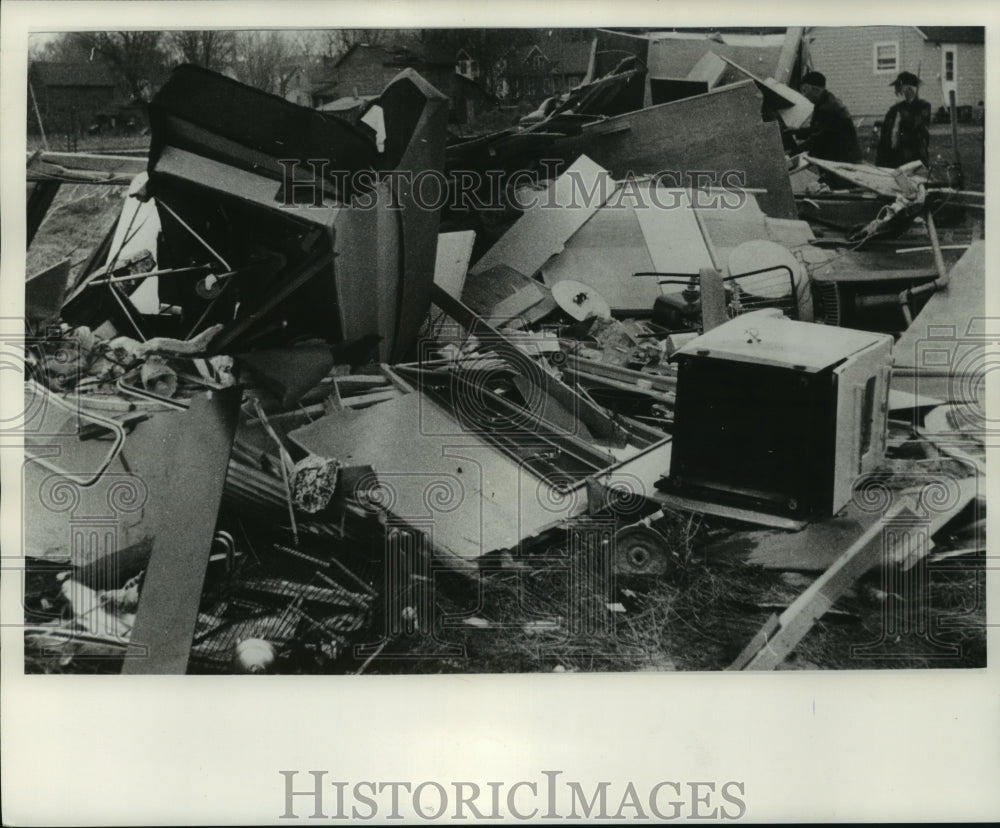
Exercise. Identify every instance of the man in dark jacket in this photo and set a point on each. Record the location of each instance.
(906, 132)
(830, 134)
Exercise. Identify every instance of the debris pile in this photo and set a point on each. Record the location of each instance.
(294, 414)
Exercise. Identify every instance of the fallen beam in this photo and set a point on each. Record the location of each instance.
(773, 644)
(200, 443)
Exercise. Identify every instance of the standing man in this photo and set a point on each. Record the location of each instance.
(906, 134)
(830, 134)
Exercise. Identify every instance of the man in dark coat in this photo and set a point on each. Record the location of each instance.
(830, 134)
(906, 132)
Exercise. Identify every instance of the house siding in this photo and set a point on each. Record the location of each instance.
(845, 54)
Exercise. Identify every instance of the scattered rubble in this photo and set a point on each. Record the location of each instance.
(290, 422)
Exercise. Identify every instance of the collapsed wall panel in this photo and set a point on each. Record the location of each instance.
(719, 132)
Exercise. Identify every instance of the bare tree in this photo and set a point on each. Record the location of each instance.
(212, 49)
(61, 48)
(264, 60)
(137, 57)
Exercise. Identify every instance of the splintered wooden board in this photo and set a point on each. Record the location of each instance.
(465, 494)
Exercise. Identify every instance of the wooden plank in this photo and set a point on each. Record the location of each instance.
(544, 228)
(689, 504)
(757, 643)
(789, 55)
(200, 442)
(796, 621)
(665, 383)
(713, 299)
(130, 165)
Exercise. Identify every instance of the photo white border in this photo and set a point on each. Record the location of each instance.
(809, 746)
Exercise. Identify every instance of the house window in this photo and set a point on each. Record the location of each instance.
(886, 57)
(949, 66)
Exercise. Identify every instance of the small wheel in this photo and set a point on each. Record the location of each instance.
(640, 550)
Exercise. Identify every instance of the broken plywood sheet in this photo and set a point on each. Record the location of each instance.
(454, 252)
(716, 132)
(543, 229)
(466, 495)
(943, 353)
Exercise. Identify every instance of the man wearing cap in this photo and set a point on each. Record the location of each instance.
(906, 132)
(830, 133)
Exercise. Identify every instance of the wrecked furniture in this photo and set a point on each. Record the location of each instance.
(276, 214)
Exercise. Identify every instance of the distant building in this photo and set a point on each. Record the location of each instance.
(70, 95)
(540, 70)
(861, 61)
(364, 71)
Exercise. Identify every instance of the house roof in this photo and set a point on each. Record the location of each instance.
(954, 34)
(84, 73)
(522, 53)
(403, 51)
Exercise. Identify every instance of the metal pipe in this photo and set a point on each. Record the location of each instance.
(937, 284)
(132, 277)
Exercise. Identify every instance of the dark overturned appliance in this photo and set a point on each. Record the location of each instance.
(344, 255)
(778, 417)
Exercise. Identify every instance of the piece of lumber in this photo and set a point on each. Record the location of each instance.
(713, 299)
(200, 443)
(768, 649)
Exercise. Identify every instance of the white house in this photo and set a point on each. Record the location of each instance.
(861, 61)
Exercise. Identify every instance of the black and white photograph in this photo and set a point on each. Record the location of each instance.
(358, 358)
